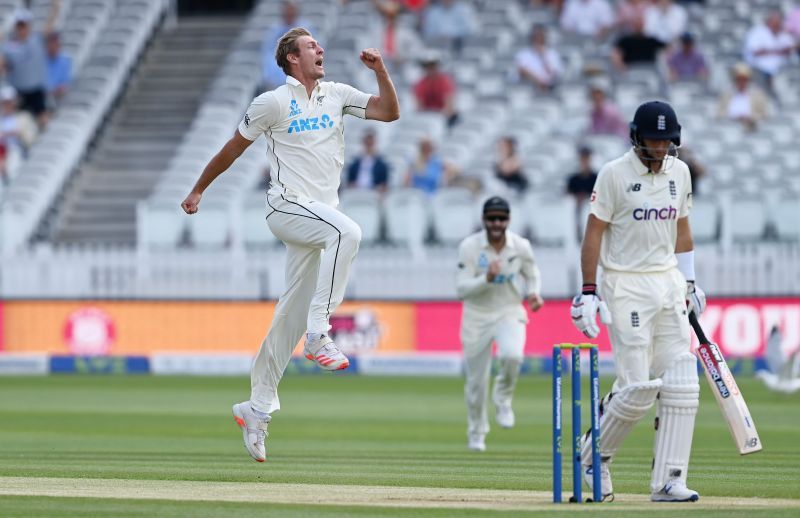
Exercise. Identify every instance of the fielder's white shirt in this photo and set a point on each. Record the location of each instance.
(497, 297)
(305, 135)
(642, 210)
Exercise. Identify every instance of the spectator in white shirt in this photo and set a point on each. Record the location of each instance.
(745, 103)
(587, 17)
(767, 47)
(665, 21)
(539, 63)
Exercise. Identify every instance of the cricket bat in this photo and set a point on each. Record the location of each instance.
(727, 393)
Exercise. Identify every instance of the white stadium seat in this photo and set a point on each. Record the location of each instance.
(363, 207)
(454, 214)
(406, 216)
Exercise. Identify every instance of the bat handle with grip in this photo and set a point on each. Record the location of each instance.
(697, 329)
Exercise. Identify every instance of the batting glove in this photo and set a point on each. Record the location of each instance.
(584, 311)
(695, 298)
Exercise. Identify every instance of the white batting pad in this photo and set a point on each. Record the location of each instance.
(620, 412)
(676, 410)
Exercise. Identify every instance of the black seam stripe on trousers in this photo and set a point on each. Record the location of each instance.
(271, 213)
(338, 242)
(277, 160)
(335, 257)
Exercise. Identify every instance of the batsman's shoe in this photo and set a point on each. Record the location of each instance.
(606, 489)
(476, 442)
(254, 430)
(504, 415)
(326, 354)
(675, 491)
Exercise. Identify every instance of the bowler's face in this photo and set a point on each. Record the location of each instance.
(310, 54)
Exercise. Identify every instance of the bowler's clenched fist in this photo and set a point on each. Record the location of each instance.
(372, 59)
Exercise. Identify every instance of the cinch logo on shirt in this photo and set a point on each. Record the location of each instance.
(646, 214)
(311, 124)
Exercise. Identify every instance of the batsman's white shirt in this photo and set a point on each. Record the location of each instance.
(484, 300)
(305, 135)
(642, 210)
(644, 290)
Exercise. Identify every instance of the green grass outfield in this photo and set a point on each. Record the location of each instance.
(344, 446)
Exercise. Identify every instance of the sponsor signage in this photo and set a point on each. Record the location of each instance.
(145, 328)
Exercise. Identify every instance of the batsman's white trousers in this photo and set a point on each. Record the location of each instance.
(650, 327)
(315, 284)
(507, 330)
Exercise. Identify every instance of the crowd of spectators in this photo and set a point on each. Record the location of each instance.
(36, 75)
(655, 39)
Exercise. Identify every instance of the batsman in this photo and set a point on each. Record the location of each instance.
(638, 229)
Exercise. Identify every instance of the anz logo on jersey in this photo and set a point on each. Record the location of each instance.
(311, 124)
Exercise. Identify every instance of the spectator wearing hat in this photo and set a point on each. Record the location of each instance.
(25, 61)
(59, 68)
(436, 91)
(745, 103)
(369, 170)
(687, 63)
(539, 64)
(17, 132)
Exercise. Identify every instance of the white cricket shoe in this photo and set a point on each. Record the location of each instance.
(504, 415)
(675, 491)
(254, 430)
(606, 489)
(326, 354)
(476, 442)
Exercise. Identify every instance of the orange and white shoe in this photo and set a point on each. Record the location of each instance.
(254, 430)
(326, 354)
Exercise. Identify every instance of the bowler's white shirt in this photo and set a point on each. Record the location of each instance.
(305, 135)
(490, 298)
(642, 210)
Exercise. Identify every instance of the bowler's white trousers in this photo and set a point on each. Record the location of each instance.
(478, 332)
(315, 284)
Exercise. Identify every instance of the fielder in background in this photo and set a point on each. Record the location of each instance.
(489, 264)
(638, 228)
(303, 125)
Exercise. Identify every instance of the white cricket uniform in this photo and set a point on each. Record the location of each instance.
(642, 285)
(493, 312)
(305, 140)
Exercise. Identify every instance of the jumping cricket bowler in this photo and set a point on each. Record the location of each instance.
(638, 228)
(489, 264)
(303, 125)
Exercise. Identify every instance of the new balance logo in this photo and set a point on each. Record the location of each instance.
(310, 124)
(661, 123)
(635, 187)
